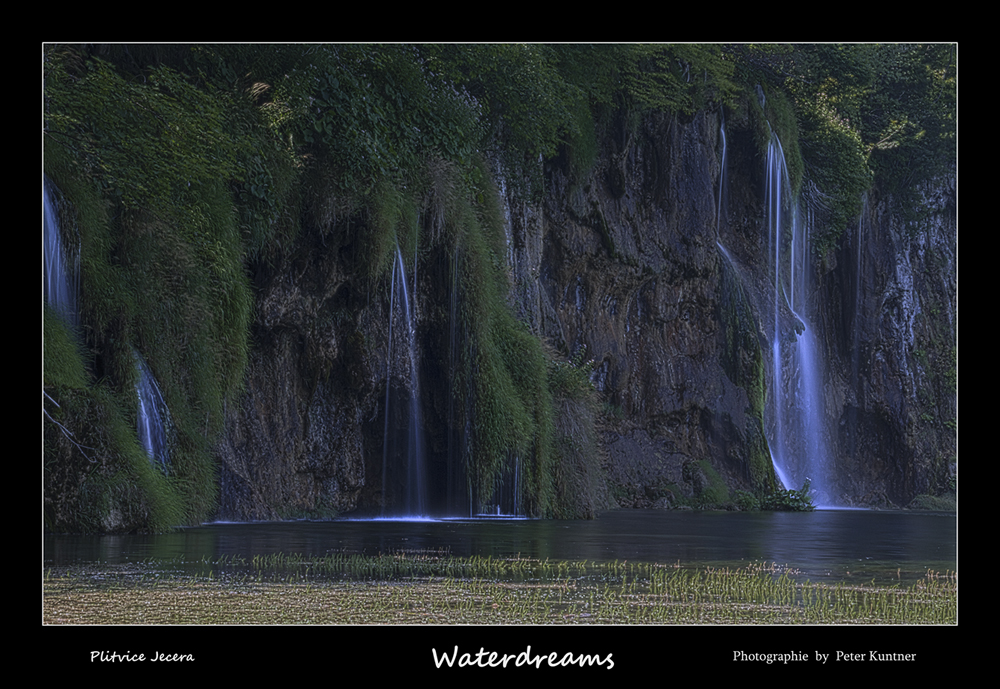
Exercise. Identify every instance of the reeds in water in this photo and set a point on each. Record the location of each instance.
(414, 588)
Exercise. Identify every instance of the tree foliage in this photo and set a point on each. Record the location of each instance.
(881, 115)
(186, 166)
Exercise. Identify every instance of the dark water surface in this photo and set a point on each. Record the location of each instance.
(841, 544)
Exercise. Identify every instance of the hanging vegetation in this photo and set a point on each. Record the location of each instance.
(191, 171)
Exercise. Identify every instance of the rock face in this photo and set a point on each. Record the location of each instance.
(630, 269)
(628, 264)
(295, 444)
(893, 309)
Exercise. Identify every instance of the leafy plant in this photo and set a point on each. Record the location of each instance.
(789, 500)
(746, 501)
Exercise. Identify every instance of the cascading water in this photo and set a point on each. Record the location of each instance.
(798, 433)
(403, 451)
(779, 469)
(152, 420)
(722, 172)
(60, 278)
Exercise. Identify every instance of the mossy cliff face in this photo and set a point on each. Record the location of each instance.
(624, 263)
(624, 266)
(590, 297)
(293, 440)
(622, 269)
(343, 373)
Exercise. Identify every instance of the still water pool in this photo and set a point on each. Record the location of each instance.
(826, 544)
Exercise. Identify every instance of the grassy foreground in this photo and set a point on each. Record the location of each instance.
(408, 590)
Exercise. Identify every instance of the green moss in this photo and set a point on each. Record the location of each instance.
(777, 118)
(62, 355)
(391, 225)
(716, 493)
(742, 360)
(146, 187)
(511, 405)
(97, 478)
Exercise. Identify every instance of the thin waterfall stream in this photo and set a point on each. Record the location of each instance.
(153, 417)
(403, 450)
(61, 274)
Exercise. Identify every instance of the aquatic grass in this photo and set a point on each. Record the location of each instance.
(421, 588)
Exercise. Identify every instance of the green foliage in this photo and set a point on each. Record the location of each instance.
(150, 163)
(97, 478)
(145, 142)
(716, 492)
(632, 79)
(505, 372)
(867, 114)
(373, 111)
(837, 164)
(881, 114)
(392, 223)
(62, 355)
(571, 379)
(522, 94)
(746, 501)
(190, 289)
(900, 99)
(676, 77)
(909, 120)
(789, 500)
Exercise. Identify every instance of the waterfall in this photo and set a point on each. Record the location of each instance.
(798, 434)
(403, 451)
(722, 173)
(152, 420)
(61, 277)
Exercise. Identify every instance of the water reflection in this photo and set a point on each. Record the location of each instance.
(835, 543)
